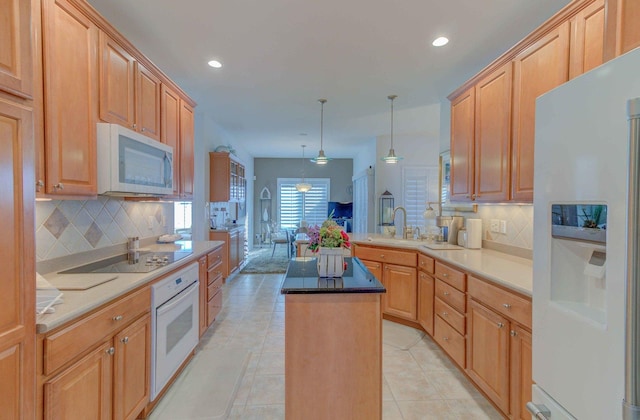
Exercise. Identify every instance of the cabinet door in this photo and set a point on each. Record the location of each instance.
(17, 300)
(402, 291)
(132, 374)
(587, 39)
(147, 102)
(219, 176)
(15, 48)
(234, 258)
(116, 83)
(202, 276)
(223, 236)
(538, 69)
(376, 269)
(186, 150)
(521, 368)
(488, 353)
(70, 42)
(462, 152)
(83, 391)
(425, 301)
(170, 133)
(493, 136)
(622, 32)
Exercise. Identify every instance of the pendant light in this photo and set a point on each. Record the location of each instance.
(321, 159)
(391, 157)
(303, 187)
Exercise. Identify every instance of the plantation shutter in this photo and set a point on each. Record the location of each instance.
(295, 206)
(420, 185)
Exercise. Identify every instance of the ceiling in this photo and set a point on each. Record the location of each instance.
(280, 56)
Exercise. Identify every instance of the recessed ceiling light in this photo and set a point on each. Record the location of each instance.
(439, 42)
(215, 64)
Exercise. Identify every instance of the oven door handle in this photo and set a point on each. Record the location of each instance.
(176, 300)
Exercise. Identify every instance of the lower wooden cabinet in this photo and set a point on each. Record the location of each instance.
(233, 254)
(108, 378)
(202, 293)
(521, 372)
(210, 274)
(425, 301)
(402, 291)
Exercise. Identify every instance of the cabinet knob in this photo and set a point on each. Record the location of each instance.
(381, 255)
(445, 338)
(444, 314)
(143, 129)
(445, 275)
(58, 186)
(125, 340)
(445, 293)
(117, 318)
(110, 351)
(513, 333)
(506, 305)
(134, 125)
(40, 183)
(500, 325)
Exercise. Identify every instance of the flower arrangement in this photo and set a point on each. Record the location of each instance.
(328, 235)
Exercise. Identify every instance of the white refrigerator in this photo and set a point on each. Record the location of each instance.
(585, 246)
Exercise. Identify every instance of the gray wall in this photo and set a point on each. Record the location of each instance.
(268, 170)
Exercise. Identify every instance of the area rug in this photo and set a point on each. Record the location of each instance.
(400, 336)
(261, 262)
(214, 378)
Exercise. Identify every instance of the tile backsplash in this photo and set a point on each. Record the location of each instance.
(65, 227)
(519, 220)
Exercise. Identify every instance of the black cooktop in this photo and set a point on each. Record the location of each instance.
(134, 262)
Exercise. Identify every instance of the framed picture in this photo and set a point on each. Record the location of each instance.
(445, 184)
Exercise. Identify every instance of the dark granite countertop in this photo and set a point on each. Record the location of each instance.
(302, 277)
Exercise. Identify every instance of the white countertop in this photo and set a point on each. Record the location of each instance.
(77, 303)
(507, 270)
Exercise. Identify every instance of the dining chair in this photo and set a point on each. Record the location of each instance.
(280, 239)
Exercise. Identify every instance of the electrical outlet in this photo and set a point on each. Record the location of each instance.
(503, 226)
(150, 222)
(495, 225)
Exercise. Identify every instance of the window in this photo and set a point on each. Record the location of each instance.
(295, 206)
(420, 184)
(182, 216)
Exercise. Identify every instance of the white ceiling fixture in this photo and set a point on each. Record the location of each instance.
(215, 64)
(302, 186)
(391, 157)
(440, 41)
(321, 159)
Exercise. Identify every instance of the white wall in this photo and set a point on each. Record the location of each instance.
(210, 135)
(365, 158)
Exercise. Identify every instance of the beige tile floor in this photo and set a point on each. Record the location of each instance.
(419, 383)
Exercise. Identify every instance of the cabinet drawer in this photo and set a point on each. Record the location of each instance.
(426, 263)
(213, 274)
(214, 306)
(507, 303)
(452, 276)
(453, 317)
(390, 256)
(214, 287)
(450, 340)
(450, 296)
(214, 258)
(64, 345)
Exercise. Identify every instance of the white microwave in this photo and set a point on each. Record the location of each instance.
(131, 164)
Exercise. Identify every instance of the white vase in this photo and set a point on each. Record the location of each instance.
(330, 262)
(265, 215)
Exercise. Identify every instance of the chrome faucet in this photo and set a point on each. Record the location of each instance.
(404, 220)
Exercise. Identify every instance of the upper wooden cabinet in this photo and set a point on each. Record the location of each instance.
(15, 48)
(622, 32)
(537, 69)
(187, 120)
(480, 139)
(170, 132)
(226, 178)
(587, 39)
(129, 93)
(70, 43)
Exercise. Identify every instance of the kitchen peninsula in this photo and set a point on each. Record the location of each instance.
(333, 342)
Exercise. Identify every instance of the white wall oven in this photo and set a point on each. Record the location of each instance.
(174, 319)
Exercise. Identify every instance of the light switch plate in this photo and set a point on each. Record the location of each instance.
(503, 226)
(495, 225)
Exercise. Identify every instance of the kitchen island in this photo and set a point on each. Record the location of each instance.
(333, 342)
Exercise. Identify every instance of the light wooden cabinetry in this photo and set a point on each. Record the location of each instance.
(376, 269)
(449, 309)
(587, 39)
(99, 366)
(214, 284)
(17, 300)
(399, 276)
(70, 43)
(537, 69)
(232, 252)
(16, 58)
(426, 284)
(129, 93)
(480, 139)
(499, 346)
(227, 178)
(170, 132)
(187, 139)
(622, 33)
(202, 293)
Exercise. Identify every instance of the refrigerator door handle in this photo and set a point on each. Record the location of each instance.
(539, 411)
